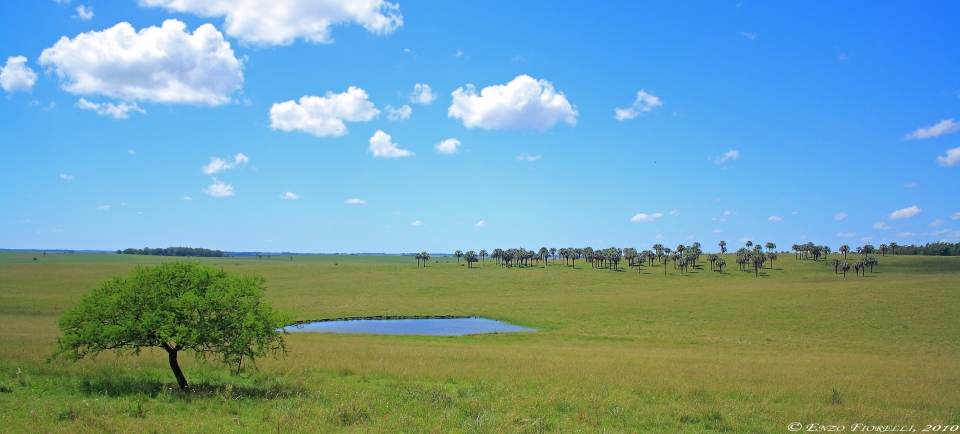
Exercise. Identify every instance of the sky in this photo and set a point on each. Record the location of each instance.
(341, 126)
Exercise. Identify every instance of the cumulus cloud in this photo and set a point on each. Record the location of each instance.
(187, 198)
(945, 126)
(355, 201)
(65, 176)
(422, 94)
(218, 165)
(399, 114)
(728, 212)
(84, 12)
(952, 157)
(904, 213)
(481, 224)
(16, 76)
(280, 22)
(218, 189)
(416, 223)
(290, 196)
(840, 216)
(675, 212)
(881, 226)
(645, 218)
(936, 223)
(161, 64)
(323, 116)
(103, 207)
(522, 104)
(644, 103)
(846, 235)
(449, 146)
(381, 146)
(732, 154)
(955, 216)
(116, 111)
(525, 157)
(774, 218)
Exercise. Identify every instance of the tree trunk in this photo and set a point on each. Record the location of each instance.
(172, 356)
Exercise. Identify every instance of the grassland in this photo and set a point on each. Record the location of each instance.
(614, 351)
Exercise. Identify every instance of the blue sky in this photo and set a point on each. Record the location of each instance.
(229, 125)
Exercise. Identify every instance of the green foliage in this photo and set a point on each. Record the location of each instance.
(175, 306)
(176, 251)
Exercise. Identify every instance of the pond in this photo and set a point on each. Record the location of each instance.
(415, 326)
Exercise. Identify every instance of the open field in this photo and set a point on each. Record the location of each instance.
(615, 351)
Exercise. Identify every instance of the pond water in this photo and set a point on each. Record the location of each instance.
(418, 326)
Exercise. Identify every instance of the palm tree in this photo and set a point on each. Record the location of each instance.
(720, 264)
(458, 254)
(723, 247)
(845, 267)
(553, 253)
(893, 248)
(772, 256)
(713, 259)
(770, 247)
(543, 253)
(883, 250)
(871, 261)
(419, 257)
(845, 249)
(483, 254)
(836, 265)
(471, 257)
(426, 257)
(749, 244)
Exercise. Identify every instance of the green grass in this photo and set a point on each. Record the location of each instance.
(614, 351)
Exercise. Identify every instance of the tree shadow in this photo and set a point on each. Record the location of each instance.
(121, 386)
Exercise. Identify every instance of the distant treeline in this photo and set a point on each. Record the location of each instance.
(175, 251)
(929, 249)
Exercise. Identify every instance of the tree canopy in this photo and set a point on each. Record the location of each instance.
(177, 306)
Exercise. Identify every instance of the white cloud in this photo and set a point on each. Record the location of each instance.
(952, 158)
(218, 165)
(866, 239)
(881, 226)
(936, 223)
(160, 64)
(422, 94)
(416, 223)
(459, 53)
(290, 196)
(716, 231)
(522, 104)
(187, 198)
(745, 239)
(846, 235)
(84, 13)
(840, 216)
(132, 152)
(718, 219)
(323, 116)
(481, 224)
(728, 212)
(955, 216)
(381, 146)
(732, 154)
(218, 189)
(945, 126)
(400, 114)
(906, 234)
(645, 102)
(910, 185)
(904, 213)
(116, 111)
(15, 76)
(675, 212)
(795, 212)
(103, 207)
(749, 35)
(644, 218)
(61, 2)
(280, 22)
(774, 218)
(449, 146)
(124, 204)
(659, 237)
(525, 157)
(355, 201)
(65, 176)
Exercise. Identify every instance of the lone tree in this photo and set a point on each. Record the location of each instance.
(177, 306)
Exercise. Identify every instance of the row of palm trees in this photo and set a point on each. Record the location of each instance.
(857, 266)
